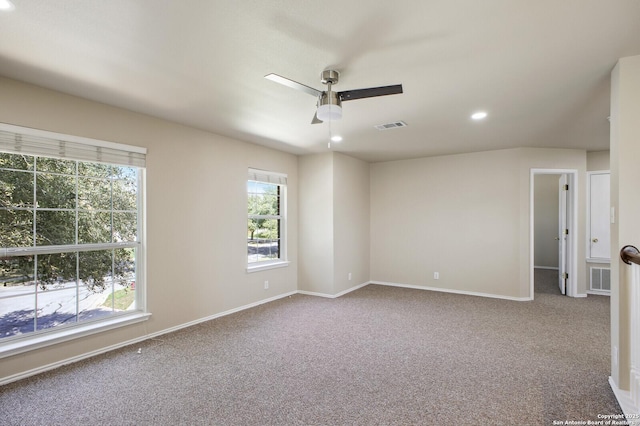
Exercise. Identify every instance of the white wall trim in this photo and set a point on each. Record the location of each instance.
(446, 290)
(624, 399)
(54, 365)
(218, 315)
(599, 292)
(266, 266)
(333, 296)
(416, 287)
(588, 221)
(31, 343)
(572, 284)
(598, 260)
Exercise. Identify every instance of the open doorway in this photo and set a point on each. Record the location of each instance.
(553, 229)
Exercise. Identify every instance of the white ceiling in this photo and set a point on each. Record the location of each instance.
(539, 68)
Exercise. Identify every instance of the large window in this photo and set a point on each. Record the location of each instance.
(266, 195)
(70, 234)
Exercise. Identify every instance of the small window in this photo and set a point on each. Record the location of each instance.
(266, 222)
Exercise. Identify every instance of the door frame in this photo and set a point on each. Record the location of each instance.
(563, 223)
(572, 242)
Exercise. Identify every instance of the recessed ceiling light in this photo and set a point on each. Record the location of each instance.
(6, 5)
(336, 138)
(479, 115)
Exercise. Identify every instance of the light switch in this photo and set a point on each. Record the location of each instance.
(613, 214)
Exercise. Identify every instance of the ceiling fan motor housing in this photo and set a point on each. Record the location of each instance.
(329, 77)
(330, 98)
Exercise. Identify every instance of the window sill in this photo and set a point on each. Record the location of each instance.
(37, 341)
(270, 265)
(598, 260)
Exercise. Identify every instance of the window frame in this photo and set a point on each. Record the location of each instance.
(91, 151)
(279, 179)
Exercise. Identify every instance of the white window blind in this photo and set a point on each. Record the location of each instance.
(17, 140)
(267, 177)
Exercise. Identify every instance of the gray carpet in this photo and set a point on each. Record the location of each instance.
(379, 355)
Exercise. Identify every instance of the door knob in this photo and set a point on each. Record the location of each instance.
(595, 240)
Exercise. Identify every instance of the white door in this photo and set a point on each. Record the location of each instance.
(599, 221)
(563, 233)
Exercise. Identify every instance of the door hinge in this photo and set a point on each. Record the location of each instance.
(566, 187)
(565, 276)
(566, 232)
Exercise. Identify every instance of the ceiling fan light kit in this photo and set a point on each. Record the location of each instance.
(329, 112)
(329, 107)
(329, 102)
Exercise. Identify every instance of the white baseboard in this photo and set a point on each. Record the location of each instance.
(54, 365)
(555, 268)
(67, 361)
(624, 399)
(599, 292)
(446, 290)
(218, 315)
(333, 296)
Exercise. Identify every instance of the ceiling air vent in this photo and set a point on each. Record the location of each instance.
(393, 125)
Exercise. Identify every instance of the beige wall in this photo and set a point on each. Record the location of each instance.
(625, 175)
(465, 216)
(351, 222)
(316, 223)
(546, 221)
(196, 214)
(456, 215)
(597, 161)
(334, 223)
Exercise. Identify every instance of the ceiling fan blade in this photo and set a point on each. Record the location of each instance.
(316, 120)
(351, 95)
(293, 84)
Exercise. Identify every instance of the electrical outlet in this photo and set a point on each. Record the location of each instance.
(436, 275)
(349, 276)
(266, 285)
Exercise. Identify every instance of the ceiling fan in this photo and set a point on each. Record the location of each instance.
(330, 102)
